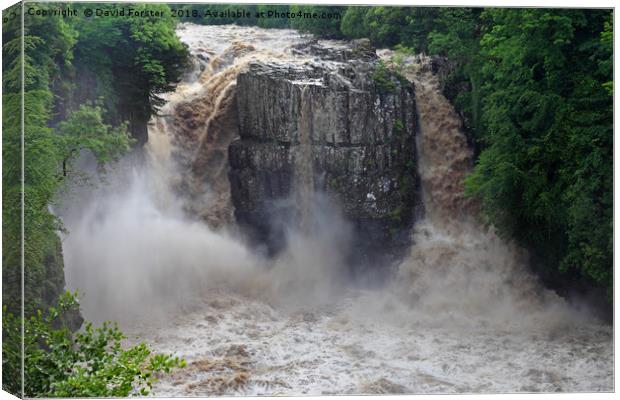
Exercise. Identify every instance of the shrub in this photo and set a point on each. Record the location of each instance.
(88, 363)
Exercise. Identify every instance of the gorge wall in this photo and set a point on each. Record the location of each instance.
(360, 147)
(321, 114)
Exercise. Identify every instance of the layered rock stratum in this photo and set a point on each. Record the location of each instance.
(264, 124)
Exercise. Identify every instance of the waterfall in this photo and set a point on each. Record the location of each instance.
(462, 313)
(443, 154)
(304, 182)
(460, 272)
(192, 134)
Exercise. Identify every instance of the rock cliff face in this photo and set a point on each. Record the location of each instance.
(355, 124)
(260, 133)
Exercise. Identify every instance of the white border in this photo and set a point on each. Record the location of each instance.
(479, 3)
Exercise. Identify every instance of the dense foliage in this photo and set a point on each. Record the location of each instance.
(89, 363)
(88, 86)
(128, 62)
(545, 174)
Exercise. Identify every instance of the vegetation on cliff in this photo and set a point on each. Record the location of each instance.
(128, 63)
(132, 61)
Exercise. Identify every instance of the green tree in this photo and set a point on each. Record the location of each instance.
(41, 64)
(456, 35)
(391, 26)
(90, 363)
(545, 172)
(273, 22)
(84, 129)
(326, 25)
(129, 62)
(352, 25)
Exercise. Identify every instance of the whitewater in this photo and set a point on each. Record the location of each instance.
(154, 249)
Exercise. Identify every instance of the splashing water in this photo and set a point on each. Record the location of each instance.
(458, 268)
(462, 313)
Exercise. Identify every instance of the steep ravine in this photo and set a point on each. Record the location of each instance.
(275, 162)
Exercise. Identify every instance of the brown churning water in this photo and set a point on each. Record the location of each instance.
(462, 313)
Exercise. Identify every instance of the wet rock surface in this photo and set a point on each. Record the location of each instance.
(361, 140)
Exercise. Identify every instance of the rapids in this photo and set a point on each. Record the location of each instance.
(151, 248)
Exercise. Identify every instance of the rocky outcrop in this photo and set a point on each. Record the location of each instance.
(359, 121)
(256, 134)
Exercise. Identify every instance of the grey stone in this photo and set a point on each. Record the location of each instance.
(362, 143)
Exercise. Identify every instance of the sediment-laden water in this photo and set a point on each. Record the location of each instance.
(461, 314)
